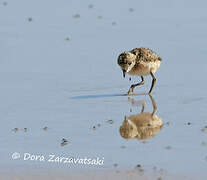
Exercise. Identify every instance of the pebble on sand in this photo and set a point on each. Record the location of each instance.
(168, 147)
(115, 165)
(100, 17)
(67, 39)
(204, 130)
(168, 123)
(45, 128)
(64, 142)
(123, 147)
(15, 129)
(110, 121)
(138, 166)
(154, 168)
(30, 19)
(76, 16)
(203, 143)
(113, 23)
(5, 3)
(90, 6)
(131, 9)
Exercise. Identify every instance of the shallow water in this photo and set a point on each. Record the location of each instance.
(70, 86)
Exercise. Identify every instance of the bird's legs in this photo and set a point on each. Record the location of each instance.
(131, 89)
(153, 82)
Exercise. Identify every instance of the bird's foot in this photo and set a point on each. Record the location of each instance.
(131, 89)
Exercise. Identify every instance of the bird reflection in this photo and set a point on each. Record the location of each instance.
(143, 125)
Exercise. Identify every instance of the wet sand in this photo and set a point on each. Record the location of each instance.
(63, 94)
(138, 174)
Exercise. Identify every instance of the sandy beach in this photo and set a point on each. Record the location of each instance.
(92, 174)
(63, 94)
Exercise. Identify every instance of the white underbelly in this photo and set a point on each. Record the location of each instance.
(144, 69)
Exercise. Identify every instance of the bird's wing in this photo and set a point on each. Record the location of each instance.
(145, 54)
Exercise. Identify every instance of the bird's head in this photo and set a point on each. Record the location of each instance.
(126, 61)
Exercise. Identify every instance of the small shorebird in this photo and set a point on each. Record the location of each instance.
(140, 62)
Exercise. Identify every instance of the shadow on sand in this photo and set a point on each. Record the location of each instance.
(104, 96)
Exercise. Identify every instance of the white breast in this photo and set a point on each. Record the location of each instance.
(144, 68)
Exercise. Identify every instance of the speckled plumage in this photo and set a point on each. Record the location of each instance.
(140, 62)
(146, 55)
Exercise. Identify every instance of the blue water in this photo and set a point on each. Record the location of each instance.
(71, 86)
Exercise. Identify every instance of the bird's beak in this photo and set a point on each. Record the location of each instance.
(124, 73)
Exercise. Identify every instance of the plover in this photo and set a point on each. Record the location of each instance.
(139, 62)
